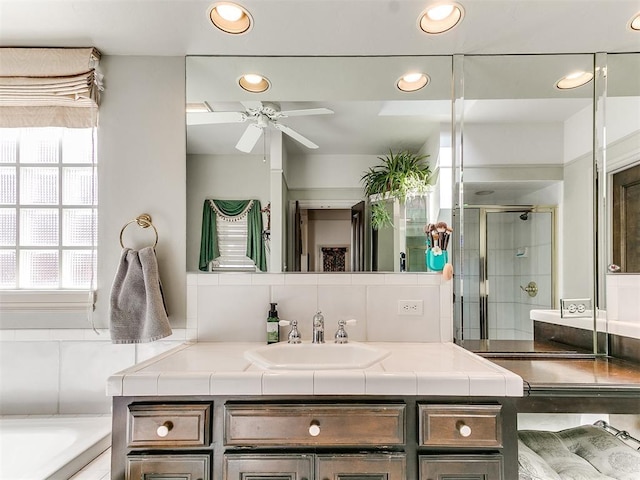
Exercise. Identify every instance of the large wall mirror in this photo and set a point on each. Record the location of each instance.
(528, 193)
(340, 115)
(623, 160)
(528, 215)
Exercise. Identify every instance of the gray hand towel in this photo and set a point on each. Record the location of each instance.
(138, 313)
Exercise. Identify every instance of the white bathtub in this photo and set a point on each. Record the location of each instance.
(50, 447)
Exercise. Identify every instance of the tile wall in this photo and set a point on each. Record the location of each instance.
(64, 371)
(233, 307)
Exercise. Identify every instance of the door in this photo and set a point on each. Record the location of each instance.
(626, 220)
(508, 270)
(361, 467)
(268, 467)
(168, 467)
(357, 237)
(297, 239)
(461, 467)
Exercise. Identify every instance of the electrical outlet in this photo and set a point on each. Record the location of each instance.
(409, 307)
(575, 307)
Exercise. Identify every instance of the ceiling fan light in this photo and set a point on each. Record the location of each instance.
(254, 83)
(441, 17)
(230, 17)
(574, 80)
(634, 24)
(412, 82)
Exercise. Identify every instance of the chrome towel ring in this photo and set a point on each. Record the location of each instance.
(143, 221)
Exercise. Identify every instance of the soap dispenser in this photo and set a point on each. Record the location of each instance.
(273, 326)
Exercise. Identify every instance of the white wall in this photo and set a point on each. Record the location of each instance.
(577, 231)
(516, 144)
(141, 155)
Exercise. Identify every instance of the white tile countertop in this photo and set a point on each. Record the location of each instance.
(435, 369)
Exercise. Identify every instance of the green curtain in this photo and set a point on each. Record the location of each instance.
(209, 241)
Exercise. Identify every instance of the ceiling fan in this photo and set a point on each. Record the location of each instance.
(261, 115)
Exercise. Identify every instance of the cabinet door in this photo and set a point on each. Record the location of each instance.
(168, 467)
(461, 467)
(361, 467)
(268, 466)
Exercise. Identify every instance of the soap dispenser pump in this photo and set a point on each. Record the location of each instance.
(273, 326)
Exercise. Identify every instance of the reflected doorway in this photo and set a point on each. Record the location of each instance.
(509, 270)
(626, 219)
(329, 239)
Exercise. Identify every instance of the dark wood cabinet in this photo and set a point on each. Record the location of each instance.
(461, 467)
(314, 438)
(169, 467)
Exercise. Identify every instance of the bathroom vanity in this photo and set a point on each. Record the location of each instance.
(424, 411)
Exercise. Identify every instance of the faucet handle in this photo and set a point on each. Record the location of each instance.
(294, 335)
(341, 335)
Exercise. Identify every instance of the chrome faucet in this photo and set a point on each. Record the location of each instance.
(318, 328)
(341, 335)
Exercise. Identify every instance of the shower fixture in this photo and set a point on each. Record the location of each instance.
(524, 216)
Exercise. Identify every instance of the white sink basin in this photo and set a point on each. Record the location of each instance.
(315, 356)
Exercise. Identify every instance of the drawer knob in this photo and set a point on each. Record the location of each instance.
(163, 430)
(463, 430)
(314, 428)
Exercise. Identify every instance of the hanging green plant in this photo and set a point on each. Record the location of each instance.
(380, 216)
(399, 176)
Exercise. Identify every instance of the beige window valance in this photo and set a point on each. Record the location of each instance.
(49, 87)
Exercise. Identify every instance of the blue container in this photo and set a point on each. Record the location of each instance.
(436, 263)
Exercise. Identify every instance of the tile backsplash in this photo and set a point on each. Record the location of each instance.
(233, 307)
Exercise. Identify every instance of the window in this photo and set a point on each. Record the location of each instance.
(48, 202)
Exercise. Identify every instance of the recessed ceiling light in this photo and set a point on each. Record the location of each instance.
(574, 80)
(230, 17)
(412, 82)
(440, 17)
(634, 24)
(254, 83)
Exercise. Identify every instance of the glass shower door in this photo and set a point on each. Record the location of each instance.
(518, 272)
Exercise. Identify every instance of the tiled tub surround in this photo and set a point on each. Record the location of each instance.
(436, 369)
(232, 307)
(64, 371)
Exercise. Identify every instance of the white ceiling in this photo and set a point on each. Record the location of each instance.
(353, 28)
(320, 27)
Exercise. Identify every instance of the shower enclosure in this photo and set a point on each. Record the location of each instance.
(508, 270)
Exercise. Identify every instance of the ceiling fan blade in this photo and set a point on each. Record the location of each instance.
(249, 138)
(252, 105)
(307, 111)
(295, 135)
(206, 118)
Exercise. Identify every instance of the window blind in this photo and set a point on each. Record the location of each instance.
(49, 87)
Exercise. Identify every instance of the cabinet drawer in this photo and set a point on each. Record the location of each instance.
(460, 426)
(312, 424)
(170, 425)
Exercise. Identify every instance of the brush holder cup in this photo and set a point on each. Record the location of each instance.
(436, 262)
